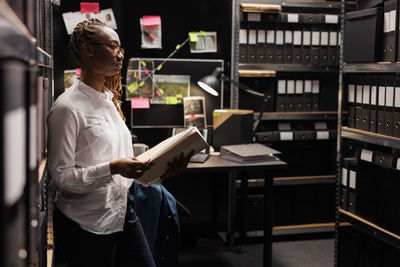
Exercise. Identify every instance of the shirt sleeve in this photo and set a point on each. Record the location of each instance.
(63, 129)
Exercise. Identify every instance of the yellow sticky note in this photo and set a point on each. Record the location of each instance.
(143, 63)
(161, 91)
(216, 113)
(132, 87)
(193, 36)
(179, 96)
(141, 84)
(172, 100)
(203, 33)
(135, 74)
(178, 46)
(159, 67)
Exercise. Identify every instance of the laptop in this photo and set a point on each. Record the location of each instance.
(203, 155)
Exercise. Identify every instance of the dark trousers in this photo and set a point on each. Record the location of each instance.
(84, 249)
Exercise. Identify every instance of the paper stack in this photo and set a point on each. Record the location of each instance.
(248, 153)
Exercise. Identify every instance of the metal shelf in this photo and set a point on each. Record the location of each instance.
(287, 67)
(370, 227)
(290, 116)
(371, 67)
(298, 180)
(372, 138)
(43, 58)
(301, 4)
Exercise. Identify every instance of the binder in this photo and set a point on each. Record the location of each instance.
(351, 96)
(373, 107)
(281, 96)
(261, 56)
(381, 109)
(310, 18)
(279, 42)
(333, 49)
(315, 95)
(389, 106)
(299, 95)
(366, 96)
(304, 135)
(359, 99)
(344, 196)
(307, 100)
(396, 112)
(270, 46)
(267, 136)
(351, 164)
(306, 47)
(390, 29)
(315, 45)
(243, 46)
(290, 95)
(324, 45)
(288, 47)
(252, 46)
(297, 39)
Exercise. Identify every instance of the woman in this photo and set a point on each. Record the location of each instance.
(91, 161)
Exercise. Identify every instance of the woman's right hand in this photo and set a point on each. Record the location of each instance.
(129, 167)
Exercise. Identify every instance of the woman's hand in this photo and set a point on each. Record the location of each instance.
(177, 165)
(129, 167)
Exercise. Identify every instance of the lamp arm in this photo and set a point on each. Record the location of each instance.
(243, 87)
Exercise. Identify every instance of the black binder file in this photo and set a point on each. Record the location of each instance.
(389, 106)
(299, 95)
(344, 196)
(290, 95)
(288, 47)
(297, 38)
(270, 46)
(351, 90)
(396, 112)
(381, 110)
(279, 42)
(333, 50)
(324, 46)
(315, 45)
(315, 95)
(281, 96)
(306, 48)
(243, 46)
(307, 100)
(359, 91)
(252, 46)
(373, 108)
(390, 29)
(365, 106)
(261, 57)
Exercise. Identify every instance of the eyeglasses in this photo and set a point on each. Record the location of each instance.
(115, 47)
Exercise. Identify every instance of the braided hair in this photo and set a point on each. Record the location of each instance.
(86, 32)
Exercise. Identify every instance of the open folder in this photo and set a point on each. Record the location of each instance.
(164, 152)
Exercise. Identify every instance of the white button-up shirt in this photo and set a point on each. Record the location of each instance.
(85, 133)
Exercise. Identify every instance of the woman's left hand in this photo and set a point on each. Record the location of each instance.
(177, 165)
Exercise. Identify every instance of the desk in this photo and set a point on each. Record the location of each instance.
(217, 164)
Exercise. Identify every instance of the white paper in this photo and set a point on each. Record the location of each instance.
(324, 38)
(288, 37)
(366, 155)
(320, 125)
(14, 133)
(254, 17)
(322, 135)
(270, 37)
(373, 95)
(156, 32)
(351, 92)
(293, 18)
(366, 91)
(306, 38)
(307, 86)
(252, 36)
(344, 176)
(333, 39)
(286, 136)
(299, 86)
(352, 179)
(381, 96)
(281, 87)
(33, 137)
(397, 97)
(284, 126)
(315, 86)
(242, 36)
(392, 23)
(359, 94)
(279, 37)
(71, 19)
(389, 96)
(386, 22)
(315, 38)
(261, 36)
(332, 19)
(290, 87)
(297, 37)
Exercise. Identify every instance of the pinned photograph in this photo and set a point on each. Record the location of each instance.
(170, 89)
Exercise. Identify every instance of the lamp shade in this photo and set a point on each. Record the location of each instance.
(211, 83)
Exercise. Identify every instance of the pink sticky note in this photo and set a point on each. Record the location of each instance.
(78, 71)
(149, 21)
(140, 103)
(192, 116)
(90, 7)
(146, 71)
(158, 93)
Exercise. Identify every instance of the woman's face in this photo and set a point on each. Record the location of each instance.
(105, 53)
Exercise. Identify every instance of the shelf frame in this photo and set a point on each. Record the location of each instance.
(379, 67)
(290, 116)
(371, 138)
(287, 67)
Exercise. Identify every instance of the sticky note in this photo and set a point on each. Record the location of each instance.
(140, 103)
(192, 116)
(178, 46)
(159, 67)
(149, 21)
(216, 113)
(141, 84)
(161, 90)
(143, 63)
(193, 37)
(146, 71)
(158, 93)
(179, 96)
(90, 7)
(203, 33)
(132, 87)
(78, 71)
(172, 100)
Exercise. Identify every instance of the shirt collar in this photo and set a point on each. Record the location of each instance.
(93, 93)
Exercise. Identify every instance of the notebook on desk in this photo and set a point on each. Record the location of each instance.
(203, 155)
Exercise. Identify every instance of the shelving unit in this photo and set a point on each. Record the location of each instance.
(372, 138)
(288, 67)
(380, 67)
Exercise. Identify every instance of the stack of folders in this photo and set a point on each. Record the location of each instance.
(245, 153)
(374, 104)
(297, 95)
(308, 39)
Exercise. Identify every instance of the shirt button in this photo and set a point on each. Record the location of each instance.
(167, 237)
